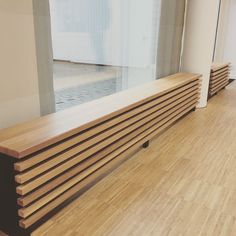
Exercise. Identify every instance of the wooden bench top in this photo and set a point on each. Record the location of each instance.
(217, 66)
(24, 139)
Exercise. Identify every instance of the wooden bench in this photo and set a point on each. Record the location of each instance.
(219, 78)
(47, 162)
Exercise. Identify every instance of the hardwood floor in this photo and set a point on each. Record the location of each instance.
(183, 184)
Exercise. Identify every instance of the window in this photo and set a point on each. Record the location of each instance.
(85, 49)
(101, 47)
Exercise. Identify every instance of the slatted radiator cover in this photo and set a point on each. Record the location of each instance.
(219, 78)
(52, 159)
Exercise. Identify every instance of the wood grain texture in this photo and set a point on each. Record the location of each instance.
(215, 86)
(46, 154)
(184, 184)
(117, 131)
(219, 77)
(97, 157)
(219, 66)
(220, 72)
(35, 217)
(46, 179)
(26, 188)
(217, 89)
(25, 139)
(224, 79)
(120, 145)
(226, 73)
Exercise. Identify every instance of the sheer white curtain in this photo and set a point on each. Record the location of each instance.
(110, 32)
(225, 50)
(170, 37)
(143, 37)
(118, 33)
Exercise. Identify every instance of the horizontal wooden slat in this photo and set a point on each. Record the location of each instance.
(66, 195)
(219, 66)
(217, 73)
(219, 83)
(219, 77)
(214, 78)
(214, 81)
(219, 70)
(22, 178)
(44, 155)
(26, 188)
(223, 70)
(214, 86)
(25, 212)
(39, 192)
(219, 88)
(25, 139)
(225, 78)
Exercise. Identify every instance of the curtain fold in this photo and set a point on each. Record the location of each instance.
(170, 37)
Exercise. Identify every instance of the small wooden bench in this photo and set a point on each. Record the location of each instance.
(219, 78)
(47, 162)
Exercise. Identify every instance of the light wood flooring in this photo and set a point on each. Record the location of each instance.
(184, 184)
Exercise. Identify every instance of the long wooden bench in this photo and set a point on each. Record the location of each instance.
(47, 162)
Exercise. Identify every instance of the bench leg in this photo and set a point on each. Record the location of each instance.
(146, 144)
(9, 219)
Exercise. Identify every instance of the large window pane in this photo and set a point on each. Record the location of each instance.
(102, 46)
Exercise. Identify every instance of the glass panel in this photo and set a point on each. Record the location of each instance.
(70, 52)
(101, 47)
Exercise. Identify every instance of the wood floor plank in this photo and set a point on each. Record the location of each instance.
(184, 184)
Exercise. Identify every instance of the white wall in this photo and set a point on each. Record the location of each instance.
(19, 98)
(230, 38)
(222, 31)
(199, 41)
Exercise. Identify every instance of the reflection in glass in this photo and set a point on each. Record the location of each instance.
(101, 47)
(70, 52)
